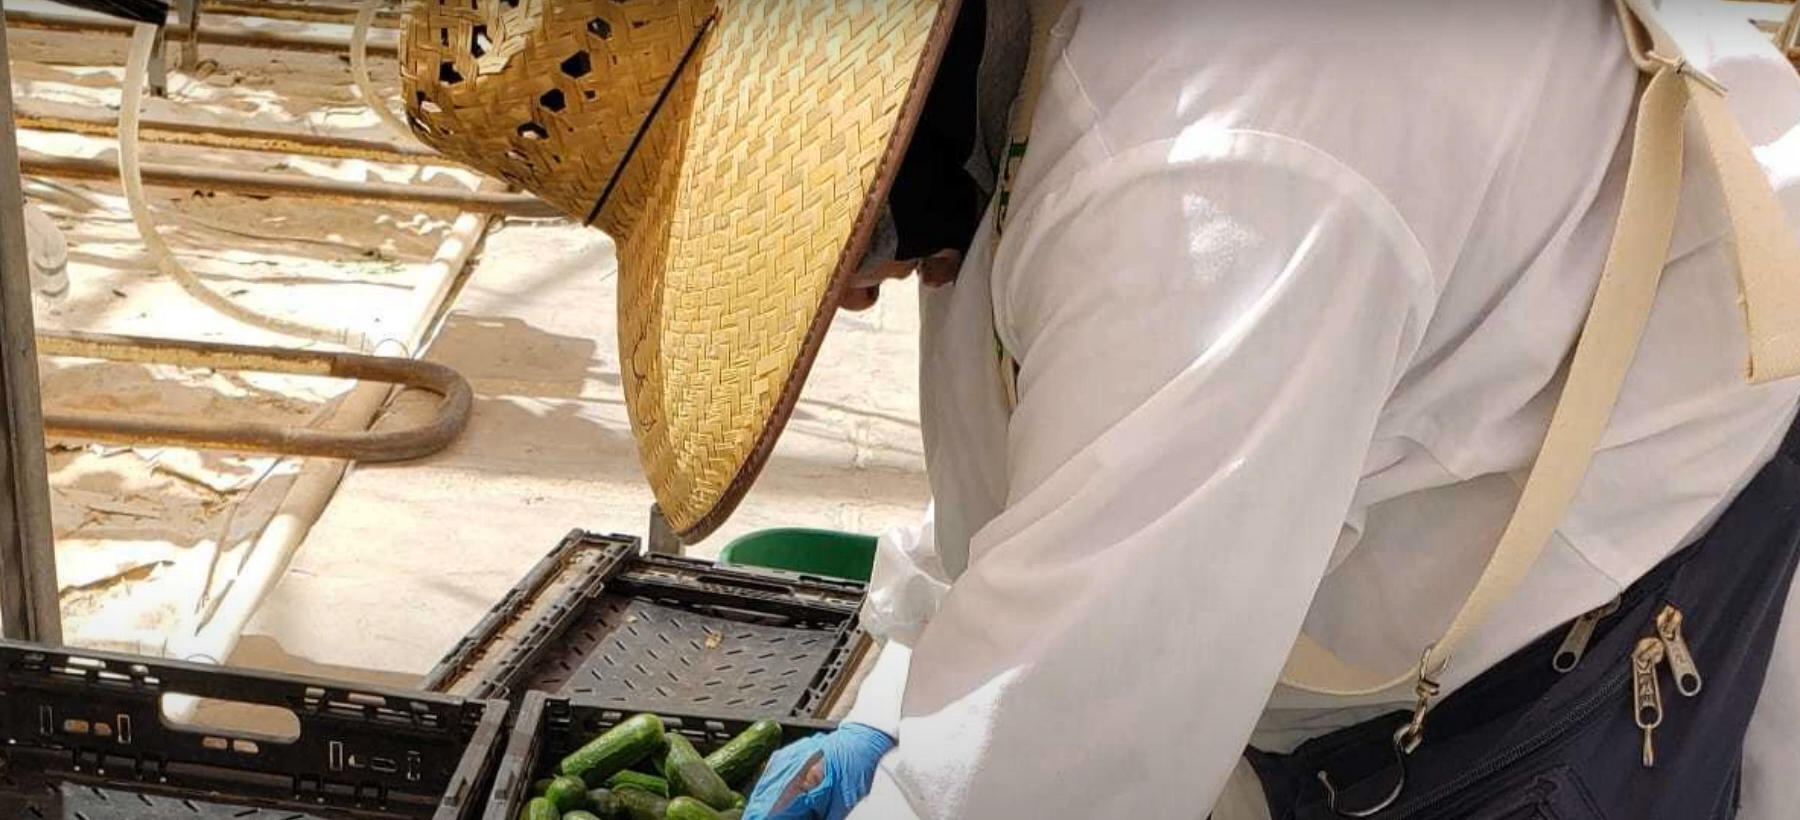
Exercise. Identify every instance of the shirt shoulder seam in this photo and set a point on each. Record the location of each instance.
(1106, 146)
(1193, 146)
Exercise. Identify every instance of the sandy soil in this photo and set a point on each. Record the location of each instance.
(139, 528)
(549, 449)
(148, 535)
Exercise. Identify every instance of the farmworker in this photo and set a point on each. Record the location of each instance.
(1238, 411)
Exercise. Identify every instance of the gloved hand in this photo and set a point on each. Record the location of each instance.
(820, 778)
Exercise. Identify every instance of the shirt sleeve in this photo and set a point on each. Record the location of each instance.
(1208, 329)
(905, 587)
(964, 421)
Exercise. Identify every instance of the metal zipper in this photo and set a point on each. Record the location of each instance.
(1606, 691)
(1581, 632)
(1646, 693)
(1681, 661)
(1572, 717)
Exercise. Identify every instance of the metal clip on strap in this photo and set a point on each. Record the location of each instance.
(1425, 690)
(1680, 65)
(1406, 741)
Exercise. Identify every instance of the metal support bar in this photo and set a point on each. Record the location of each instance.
(30, 602)
(310, 12)
(1787, 38)
(189, 13)
(208, 35)
(455, 399)
(158, 69)
(201, 135)
(255, 183)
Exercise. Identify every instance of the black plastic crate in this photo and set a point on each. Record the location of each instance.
(596, 619)
(548, 728)
(84, 736)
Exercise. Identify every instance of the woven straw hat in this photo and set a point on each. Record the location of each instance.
(738, 151)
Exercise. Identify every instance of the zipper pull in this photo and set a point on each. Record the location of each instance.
(1681, 662)
(1646, 696)
(1575, 643)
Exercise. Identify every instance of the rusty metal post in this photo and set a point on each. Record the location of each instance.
(391, 444)
(207, 35)
(258, 183)
(30, 606)
(188, 11)
(159, 64)
(235, 138)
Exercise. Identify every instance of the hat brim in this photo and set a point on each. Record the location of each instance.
(762, 180)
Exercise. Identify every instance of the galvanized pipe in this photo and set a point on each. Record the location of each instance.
(1787, 38)
(30, 600)
(256, 183)
(309, 13)
(198, 135)
(455, 399)
(207, 35)
(216, 635)
(188, 11)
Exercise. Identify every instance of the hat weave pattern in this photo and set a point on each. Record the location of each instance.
(728, 312)
(545, 94)
(743, 148)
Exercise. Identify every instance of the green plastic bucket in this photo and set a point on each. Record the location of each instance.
(825, 553)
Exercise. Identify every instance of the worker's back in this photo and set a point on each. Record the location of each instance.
(1499, 133)
(1277, 271)
(1511, 174)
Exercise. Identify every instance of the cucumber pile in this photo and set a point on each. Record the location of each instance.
(638, 770)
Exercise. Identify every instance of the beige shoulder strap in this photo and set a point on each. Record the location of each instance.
(1044, 14)
(1768, 264)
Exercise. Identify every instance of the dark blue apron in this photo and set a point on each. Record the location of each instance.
(1524, 741)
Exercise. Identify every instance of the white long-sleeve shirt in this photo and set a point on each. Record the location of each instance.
(1290, 286)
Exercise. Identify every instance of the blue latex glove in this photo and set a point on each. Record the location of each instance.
(820, 778)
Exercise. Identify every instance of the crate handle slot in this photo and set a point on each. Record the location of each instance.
(230, 724)
(771, 587)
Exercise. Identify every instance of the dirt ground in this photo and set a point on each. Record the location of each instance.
(148, 537)
(138, 527)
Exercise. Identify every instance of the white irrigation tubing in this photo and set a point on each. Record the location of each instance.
(211, 637)
(143, 44)
(212, 640)
(359, 68)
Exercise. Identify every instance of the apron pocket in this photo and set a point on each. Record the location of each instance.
(1552, 794)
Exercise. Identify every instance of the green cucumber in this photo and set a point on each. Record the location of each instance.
(651, 765)
(603, 803)
(637, 805)
(739, 758)
(579, 815)
(689, 775)
(540, 808)
(621, 746)
(681, 750)
(687, 808)
(540, 786)
(732, 814)
(637, 780)
(567, 793)
(657, 755)
(740, 802)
